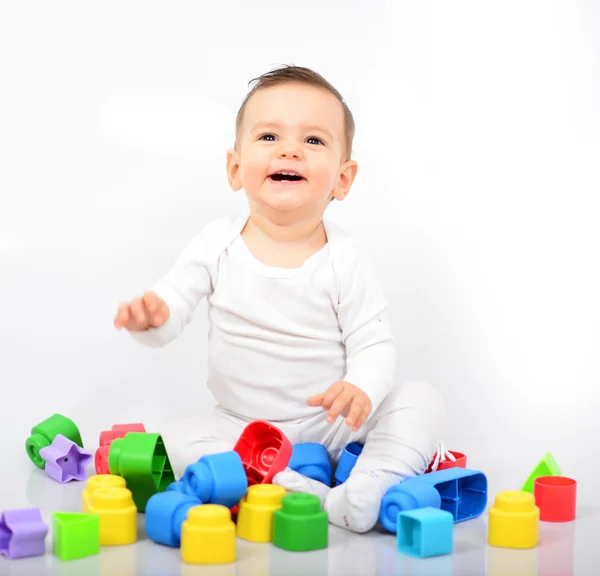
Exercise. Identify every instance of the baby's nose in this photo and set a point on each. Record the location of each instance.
(289, 150)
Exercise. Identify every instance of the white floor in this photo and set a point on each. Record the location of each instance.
(565, 549)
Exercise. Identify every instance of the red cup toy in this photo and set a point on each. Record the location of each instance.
(556, 497)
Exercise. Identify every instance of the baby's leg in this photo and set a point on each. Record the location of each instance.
(189, 439)
(403, 437)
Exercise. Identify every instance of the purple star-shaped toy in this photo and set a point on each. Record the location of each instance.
(65, 460)
(22, 533)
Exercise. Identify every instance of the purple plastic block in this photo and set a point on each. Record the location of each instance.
(22, 533)
(65, 460)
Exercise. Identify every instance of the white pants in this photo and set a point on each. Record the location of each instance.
(400, 438)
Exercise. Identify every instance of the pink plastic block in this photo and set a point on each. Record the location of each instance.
(106, 439)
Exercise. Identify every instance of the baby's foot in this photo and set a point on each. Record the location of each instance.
(295, 482)
(355, 504)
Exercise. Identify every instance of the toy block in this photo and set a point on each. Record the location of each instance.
(255, 515)
(22, 533)
(300, 525)
(142, 460)
(165, 514)
(460, 491)
(208, 536)
(215, 479)
(264, 450)
(65, 460)
(44, 433)
(117, 513)
(425, 532)
(547, 466)
(514, 520)
(106, 439)
(556, 497)
(460, 461)
(347, 460)
(99, 481)
(311, 460)
(76, 535)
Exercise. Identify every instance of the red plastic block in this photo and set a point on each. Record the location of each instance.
(106, 438)
(264, 451)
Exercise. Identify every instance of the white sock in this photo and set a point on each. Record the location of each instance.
(295, 482)
(355, 504)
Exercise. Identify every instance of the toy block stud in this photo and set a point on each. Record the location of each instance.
(216, 479)
(165, 514)
(44, 433)
(255, 515)
(76, 535)
(311, 460)
(547, 466)
(22, 533)
(142, 460)
(264, 450)
(347, 460)
(208, 535)
(65, 460)
(300, 525)
(425, 532)
(96, 482)
(118, 515)
(514, 520)
(556, 498)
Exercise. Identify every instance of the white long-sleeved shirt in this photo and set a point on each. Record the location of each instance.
(278, 335)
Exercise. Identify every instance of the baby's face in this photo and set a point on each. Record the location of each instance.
(290, 148)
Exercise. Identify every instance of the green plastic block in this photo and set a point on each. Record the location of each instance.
(546, 467)
(142, 460)
(43, 435)
(76, 535)
(300, 524)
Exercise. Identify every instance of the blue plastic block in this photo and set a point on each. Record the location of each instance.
(165, 513)
(215, 479)
(425, 532)
(460, 491)
(347, 461)
(311, 460)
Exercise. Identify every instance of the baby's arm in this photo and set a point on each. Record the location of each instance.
(162, 313)
(370, 346)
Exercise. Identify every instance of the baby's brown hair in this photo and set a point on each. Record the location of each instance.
(286, 74)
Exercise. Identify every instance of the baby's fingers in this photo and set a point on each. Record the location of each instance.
(122, 317)
(158, 311)
(355, 417)
(339, 405)
(140, 313)
(316, 400)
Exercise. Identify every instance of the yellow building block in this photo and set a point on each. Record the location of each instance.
(99, 481)
(208, 535)
(514, 520)
(255, 514)
(118, 515)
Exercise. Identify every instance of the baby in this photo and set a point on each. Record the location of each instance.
(299, 330)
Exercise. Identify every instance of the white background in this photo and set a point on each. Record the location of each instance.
(478, 142)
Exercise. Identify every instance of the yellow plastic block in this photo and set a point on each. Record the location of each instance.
(255, 514)
(118, 515)
(514, 520)
(208, 535)
(99, 481)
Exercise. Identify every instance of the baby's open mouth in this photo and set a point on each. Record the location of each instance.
(285, 176)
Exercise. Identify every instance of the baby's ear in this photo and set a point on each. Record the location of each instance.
(345, 179)
(233, 169)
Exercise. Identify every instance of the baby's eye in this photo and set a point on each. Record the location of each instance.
(267, 137)
(314, 140)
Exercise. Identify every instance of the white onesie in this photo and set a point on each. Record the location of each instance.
(278, 336)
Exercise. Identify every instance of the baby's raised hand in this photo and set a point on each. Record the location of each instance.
(149, 311)
(345, 399)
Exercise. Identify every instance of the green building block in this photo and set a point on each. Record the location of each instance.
(300, 525)
(142, 460)
(546, 467)
(76, 535)
(43, 435)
